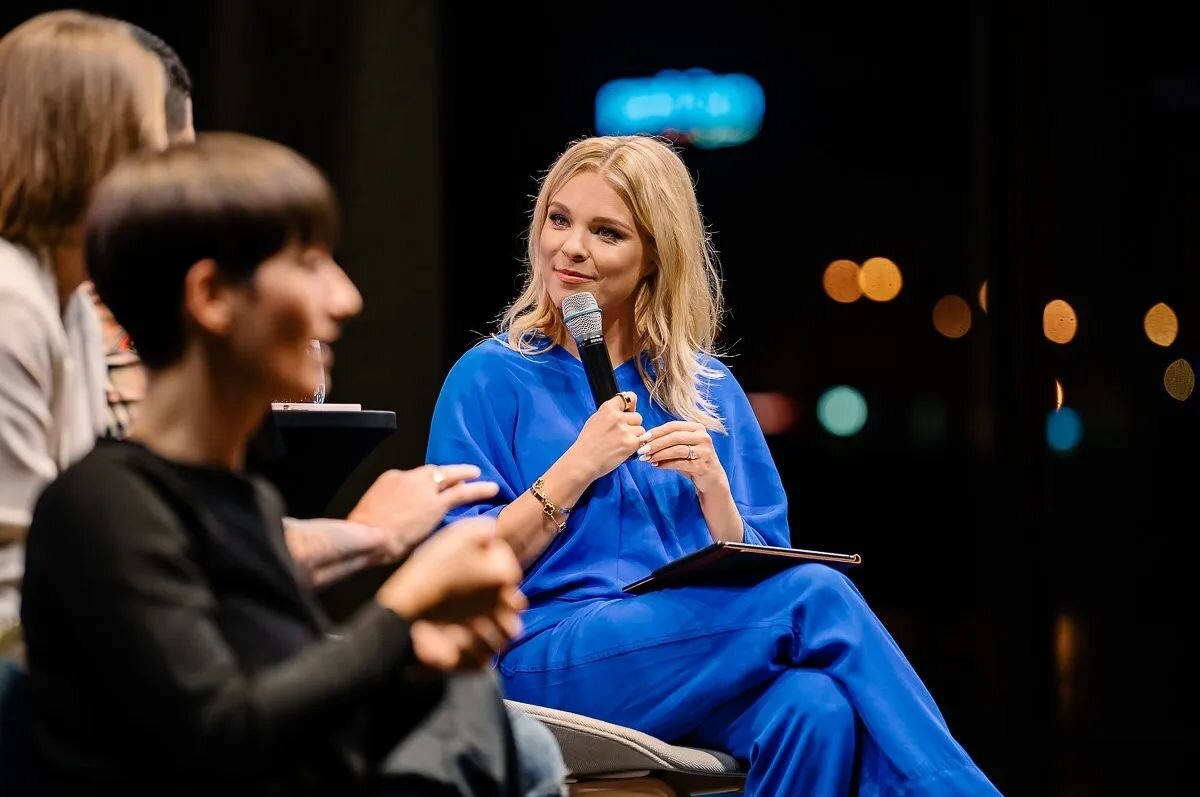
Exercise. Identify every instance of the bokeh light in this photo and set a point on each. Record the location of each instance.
(841, 281)
(1064, 430)
(1058, 322)
(1058, 395)
(952, 316)
(1066, 657)
(842, 411)
(880, 279)
(1161, 324)
(1179, 380)
(983, 297)
(776, 412)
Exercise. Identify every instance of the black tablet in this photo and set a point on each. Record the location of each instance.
(734, 563)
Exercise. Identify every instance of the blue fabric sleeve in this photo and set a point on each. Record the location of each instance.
(753, 478)
(473, 424)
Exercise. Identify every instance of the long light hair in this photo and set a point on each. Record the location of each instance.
(77, 94)
(678, 304)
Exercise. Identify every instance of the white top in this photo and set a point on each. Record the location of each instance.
(52, 399)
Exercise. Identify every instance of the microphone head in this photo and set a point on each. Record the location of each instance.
(581, 315)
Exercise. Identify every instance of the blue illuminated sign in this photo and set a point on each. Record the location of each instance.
(695, 105)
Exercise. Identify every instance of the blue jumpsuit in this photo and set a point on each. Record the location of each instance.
(794, 676)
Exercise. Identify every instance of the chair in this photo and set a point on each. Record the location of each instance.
(16, 736)
(610, 760)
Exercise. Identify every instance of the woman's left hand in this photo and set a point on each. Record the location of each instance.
(685, 446)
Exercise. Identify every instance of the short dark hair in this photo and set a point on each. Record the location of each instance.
(179, 81)
(232, 198)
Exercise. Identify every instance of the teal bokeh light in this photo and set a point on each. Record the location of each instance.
(1064, 430)
(842, 411)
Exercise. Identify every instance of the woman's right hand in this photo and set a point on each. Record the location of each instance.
(461, 573)
(610, 437)
(455, 647)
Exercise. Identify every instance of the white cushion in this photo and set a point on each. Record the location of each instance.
(593, 748)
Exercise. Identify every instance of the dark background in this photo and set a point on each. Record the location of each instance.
(1052, 149)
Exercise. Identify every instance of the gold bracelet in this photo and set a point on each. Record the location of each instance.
(549, 509)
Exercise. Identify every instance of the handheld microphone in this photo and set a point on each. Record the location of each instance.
(581, 314)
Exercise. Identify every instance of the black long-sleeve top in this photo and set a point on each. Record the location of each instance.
(172, 646)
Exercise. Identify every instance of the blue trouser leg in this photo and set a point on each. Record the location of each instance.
(803, 711)
(668, 662)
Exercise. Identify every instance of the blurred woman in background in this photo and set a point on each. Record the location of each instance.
(77, 93)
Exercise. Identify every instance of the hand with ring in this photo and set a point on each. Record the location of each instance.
(685, 446)
(608, 438)
(409, 504)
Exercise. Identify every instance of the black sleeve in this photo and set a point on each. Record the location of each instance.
(115, 558)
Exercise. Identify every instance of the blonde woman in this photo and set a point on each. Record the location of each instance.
(794, 675)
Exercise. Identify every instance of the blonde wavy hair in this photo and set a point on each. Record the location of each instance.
(678, 304)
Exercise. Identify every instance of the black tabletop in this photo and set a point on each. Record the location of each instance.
(308, 454)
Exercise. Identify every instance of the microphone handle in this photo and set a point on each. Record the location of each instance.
(598, 367)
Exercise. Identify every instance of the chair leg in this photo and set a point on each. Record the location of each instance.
(625, 787)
